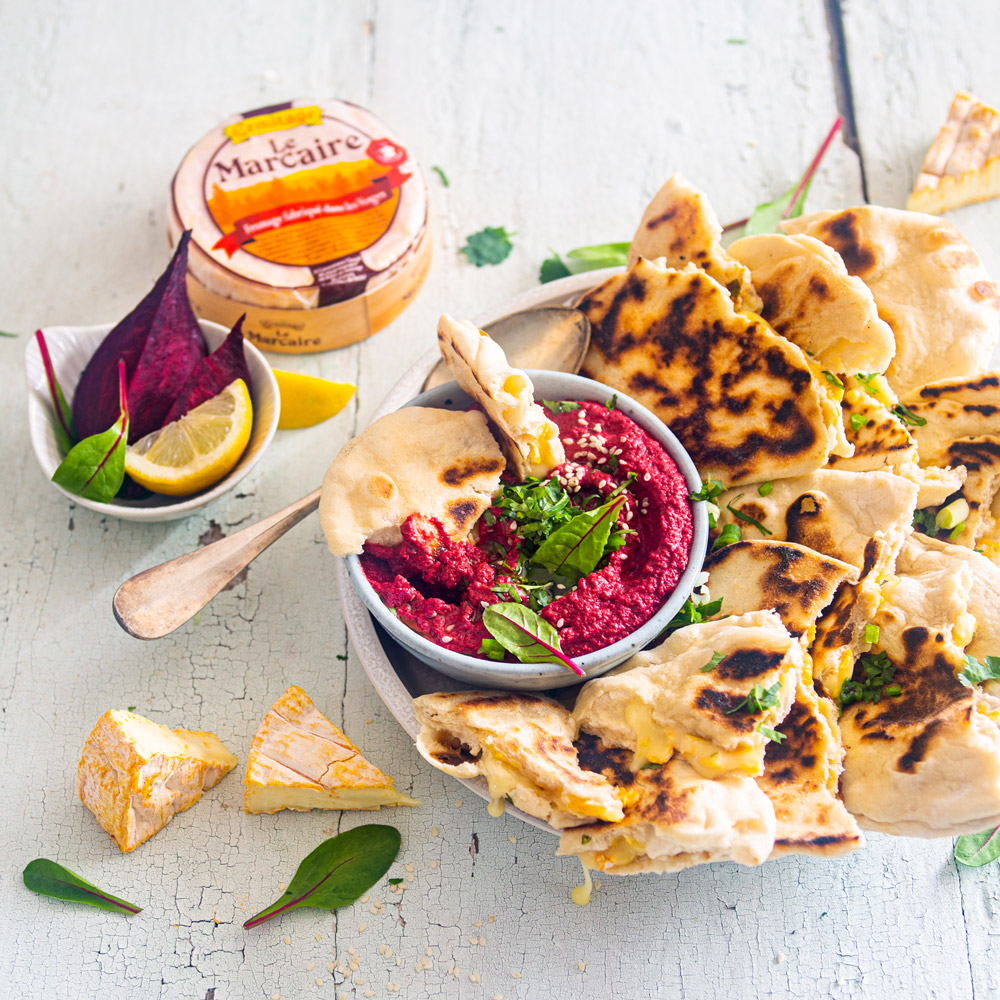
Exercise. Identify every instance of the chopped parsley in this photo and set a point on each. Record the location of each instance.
(879, 673)
(650, 766)
(765, 488)
(560, 405)
(975, 672)
(730, 533)
(771, 734)
(908, 416)
(858, 421)
(508, 798)
(342, 657)
(759, 699)
(866, 382)
(491, 245)
(717, 658)
(692, 613)
(746, 517)
(585, 839)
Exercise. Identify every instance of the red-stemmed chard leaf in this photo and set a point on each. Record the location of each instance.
(337, 872)
(95, 467)
(528, 636)
(576, 548)
(63, 423)
(95, 401)
(212, 374)
(50, 879)
(977, 849)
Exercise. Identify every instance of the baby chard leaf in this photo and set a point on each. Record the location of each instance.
(577, 547)
(525, 634)
(63, 423)
(977, 849)
(50, 879)
(337, 872)
(95, 468)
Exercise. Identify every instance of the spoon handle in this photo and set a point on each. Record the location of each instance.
(158, 600)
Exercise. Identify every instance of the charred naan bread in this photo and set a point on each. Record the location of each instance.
(879, 437)
(840, 634)
(672, 699)
(743, 400)
(796, 582)
(928, 283)
(860, 518)
(441, 463)
(801, 775)
(810, 298)
(925, 763)
(530, 440)
(935, 484)
(680, 226)
(980, 457)
(674, 818)
(523, 745)
(954, 409)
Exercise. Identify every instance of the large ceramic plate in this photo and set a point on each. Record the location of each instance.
(396, 674)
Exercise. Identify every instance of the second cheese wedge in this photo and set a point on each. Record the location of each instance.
(300, 760)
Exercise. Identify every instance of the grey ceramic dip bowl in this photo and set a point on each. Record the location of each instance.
(484, 673)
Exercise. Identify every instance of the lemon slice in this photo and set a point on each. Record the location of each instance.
(308, 400)
(196, 451)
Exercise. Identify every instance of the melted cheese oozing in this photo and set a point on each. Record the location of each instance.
(581, 894)
(652, 743)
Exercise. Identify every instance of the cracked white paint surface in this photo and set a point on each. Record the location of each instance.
(556, 121)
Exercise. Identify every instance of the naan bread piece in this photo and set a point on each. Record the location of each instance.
(963, 163)
(796, 582)
(980, 457)
(440, 463)
(530, 440)
(801, 775)
(934, 483)
(860, 518)
(680, 225)
(810, 298)
(954, 409)
(928, 282)
(674, 818)
(840, 634)
(879, 437)
(663, 701)
(742, 399)
(523, 745)
(926, 763)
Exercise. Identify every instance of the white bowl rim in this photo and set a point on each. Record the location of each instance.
(39, 406)
(600, 660)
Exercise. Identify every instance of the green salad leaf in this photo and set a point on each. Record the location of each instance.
(525, 634)
(592, 258)
(63, 423)
(337, 872)
(977, 849)
(491, 245)
(48, 878)
(577, 547)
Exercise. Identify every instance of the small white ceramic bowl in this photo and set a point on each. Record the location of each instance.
(545, 676)
(70, 348)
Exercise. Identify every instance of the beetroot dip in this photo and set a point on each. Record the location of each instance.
(439, 586)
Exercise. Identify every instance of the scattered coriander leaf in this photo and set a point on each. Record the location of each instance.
(491, 245)
(746, 517)
(525, 634)
(866, 382)
(729, 535)
(765, 488)
(736, 41)
(94, 468)
(442, 175)
(576, 548)
(771, 734)
(131, 708)
(977, 849)
(342, 657)
(691, 613)
(48, 878)
(508, 798)
(765, 218)
(975, 672)
(717, 658)
(908, 416)
(924, 521)
(337, 872)
(710, 489)
(63, 423)
(553, 268)
(871, 633)
(759, 699)
(858, 421)
(560, 406)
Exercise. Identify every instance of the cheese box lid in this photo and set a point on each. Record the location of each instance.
(311, 201)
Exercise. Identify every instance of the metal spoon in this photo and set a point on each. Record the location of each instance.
(156, 601)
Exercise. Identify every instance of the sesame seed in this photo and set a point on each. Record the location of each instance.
(482, 939)
(434, 833)
(310, 966)
(477, 923)
(582, 966)
(646, 478)
(473, 940)
(624, 556)
(434, 863)
(362, 927)
(458, 803)
(287, 940)
(446, 638)
(515, 975)
(450, 628)
(560, 586)
(567, 440)
(513, 840)
(492, 919)
(602, 484)
(560, 623)
(319, 982)
(331, 968)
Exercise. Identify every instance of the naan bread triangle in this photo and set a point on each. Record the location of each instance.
(879, 437)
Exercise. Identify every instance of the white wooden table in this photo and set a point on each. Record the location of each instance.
(558, 121)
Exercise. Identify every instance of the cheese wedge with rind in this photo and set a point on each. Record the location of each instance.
(300, 760)
(136, 775)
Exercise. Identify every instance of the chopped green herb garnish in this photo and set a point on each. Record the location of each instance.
(765, 488)
(491, 245)
(736, 41)
(553, 268)
(746, 517)
(710, 489)
(612, 403)
(442, 175)
(956, 531)
(833, 379)
(585, 839)
(759, 699)
(858, 421)
(560, 405)
(924, 521)
(771, 734)
(691, 613)
(975, 672)
(492, 649)
(871, 633)
(866, 382)
(508, 798)
(879, 673)
(730, 533)
(893, 691)
(717, 658)
(131, 708)
(908, 416)
(650, 766)
(342, 657)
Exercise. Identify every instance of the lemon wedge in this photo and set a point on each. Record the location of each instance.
(196, 451)
(308, 400)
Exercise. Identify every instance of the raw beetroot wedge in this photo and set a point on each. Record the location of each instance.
(95, 402)
(212, 374)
